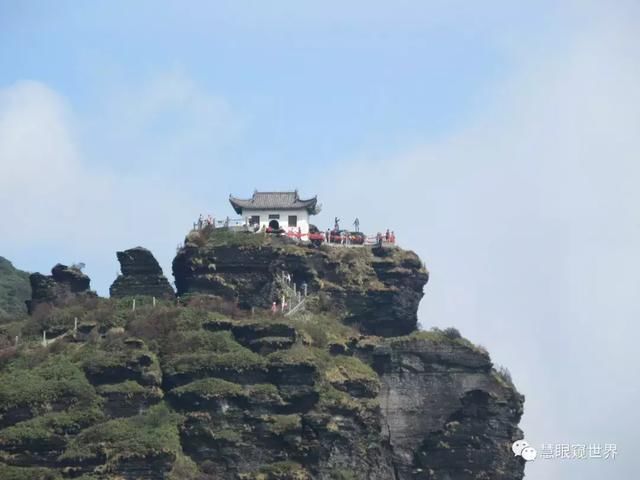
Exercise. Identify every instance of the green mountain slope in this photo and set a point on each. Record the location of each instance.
(14, 289)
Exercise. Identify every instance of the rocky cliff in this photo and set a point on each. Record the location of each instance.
(216, 386)
(141, 276)
(376, 289)
(448, 413)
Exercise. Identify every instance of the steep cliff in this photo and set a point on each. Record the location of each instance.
(376, 289)
(448, 414)
(217, 386)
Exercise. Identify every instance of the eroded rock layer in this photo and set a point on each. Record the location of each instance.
(141, 276)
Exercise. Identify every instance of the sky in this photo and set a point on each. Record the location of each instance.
(499, 140)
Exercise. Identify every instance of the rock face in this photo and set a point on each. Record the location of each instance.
(447, 413)
(141, 276)
(64, 285)
(377, 289)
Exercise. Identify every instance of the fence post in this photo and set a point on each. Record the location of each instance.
(154, 301)
(44, 338)
(75, 324)
(282, 305)
(133, 306)
(305, 288)
(17, 338)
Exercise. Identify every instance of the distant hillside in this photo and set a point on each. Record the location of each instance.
(14, 289)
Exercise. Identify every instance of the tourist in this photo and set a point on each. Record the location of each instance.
(328, 235)
(336, 224)
(386, 235)
(356, 224)
(393, 237)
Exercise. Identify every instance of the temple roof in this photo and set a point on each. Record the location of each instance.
(275, 201)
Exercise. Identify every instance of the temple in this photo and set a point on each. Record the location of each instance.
(276, 210)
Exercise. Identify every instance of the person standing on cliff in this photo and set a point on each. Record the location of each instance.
(356, 224)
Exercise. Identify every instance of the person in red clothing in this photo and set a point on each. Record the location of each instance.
(393, 237)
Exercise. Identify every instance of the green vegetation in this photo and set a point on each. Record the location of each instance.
(156, 431)
(209, 388)
(216, 237)
(282, 424)
(350, 369)
(354, 266)
(238, 361)
(298, 355)
(114, 354)
(332, 399)
(184, 469)
(321, 330)
(436, 335)
(209, 351)
(128, 388)
(49, 425)
(57, 379)
(14, 290)
(26, 473)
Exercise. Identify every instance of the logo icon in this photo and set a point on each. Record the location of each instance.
(521, 448)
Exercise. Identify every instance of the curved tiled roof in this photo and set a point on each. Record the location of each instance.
(274, 201)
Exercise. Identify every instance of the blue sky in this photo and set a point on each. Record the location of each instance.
(498, 139)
